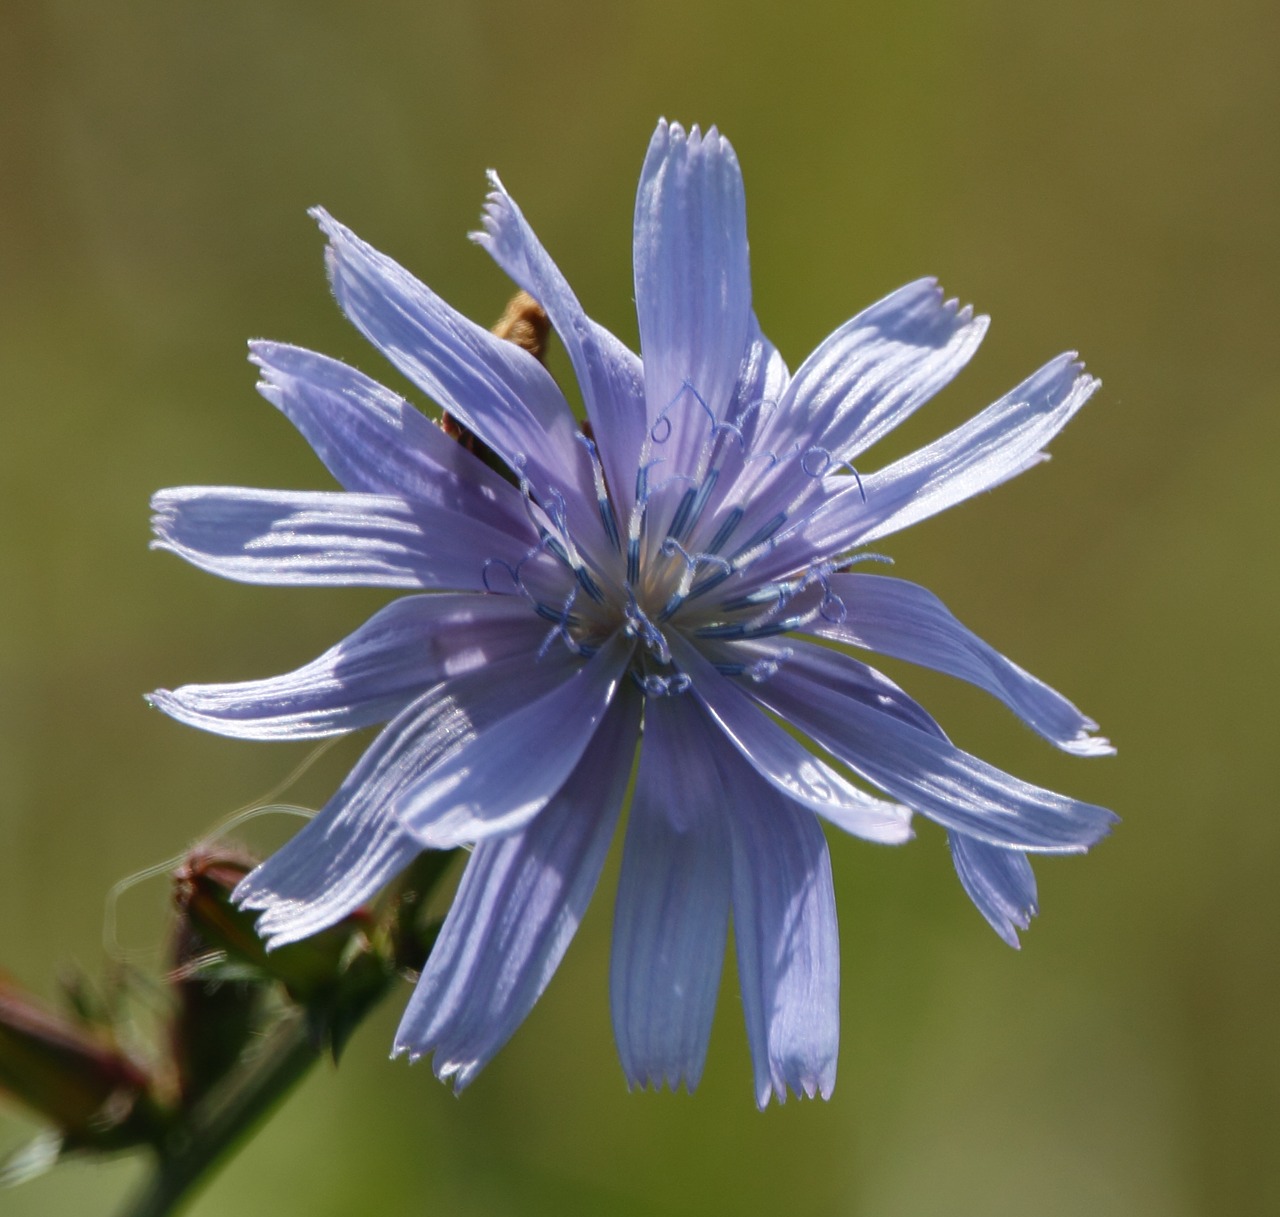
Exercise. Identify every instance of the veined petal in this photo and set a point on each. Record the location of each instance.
(672, 914)
(371, 675)
(521, 899)
(999, 881)
(610, 376)
(1001, 442)
(354, 846)
(909, 622)
(784, 926)
(867, 377)
(785, 763)
(498, 778)
(879, 368)
(374, 442)
(762, 381)
(830, 669)
(693, 287)
(930, 774)
(1006, 439)
(314, 538)
(493, 387)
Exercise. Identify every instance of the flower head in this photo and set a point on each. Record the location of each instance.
(676, 567)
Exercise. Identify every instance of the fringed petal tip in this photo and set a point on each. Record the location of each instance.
(164, 504)
(281, 921)
(497, 206)
(260, 351)
(338, 236)
(1088, 744)
(273, 925)
(1061, 381)
(1000, 883)
(278, 363)
(456, 1074)
(282, 928)
(328, 225)
(925, 298)
(1008, 919)
(1103, 820)
(657, 1083)
(780, 1088)
(801, 1086)
(669, 133)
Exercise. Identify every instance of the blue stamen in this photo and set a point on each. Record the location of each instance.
(589, 585)
(511, 571)
(560, 616)
(639, 626)
(853, 559)
(828, 460)
(603, 503)
(836, 615)
(681, 527)
(731, 521)
(662, 686)
(733, 429)
(726, 630)
(710, 583)
(700, 400)
(763, 534)
(824, 454)
(682, 513)
(562, 621)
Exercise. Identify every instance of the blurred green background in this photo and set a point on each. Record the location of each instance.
(1100, 175)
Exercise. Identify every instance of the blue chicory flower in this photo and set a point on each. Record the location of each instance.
(670, 573)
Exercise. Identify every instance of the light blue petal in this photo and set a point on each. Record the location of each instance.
(866, 378)
(610, 376)
(1001, 442)
(878, 369)
(355, 845)
(374, 442)
(927, 772)
(762, 381)
(498, 778)
(832, 670)
(314, 538)
(1006, 439)
(337, 863)
(999, 881)
(784, 762)
(521, 899)
(672, 913)
(493, 387)
(693, 288)
(371, 675)
(909, 622)
(784, 926)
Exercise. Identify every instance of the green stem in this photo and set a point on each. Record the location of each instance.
(207, 1141)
